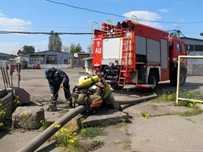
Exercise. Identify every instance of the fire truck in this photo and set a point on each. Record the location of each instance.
(132, 54)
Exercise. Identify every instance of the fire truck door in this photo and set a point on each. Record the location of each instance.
(164, 61)
(112, 50)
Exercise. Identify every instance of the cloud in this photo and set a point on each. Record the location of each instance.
(40, 45)
(8, 47)
(13, 24)
(1, 15)
(145, 17)
(164, 10)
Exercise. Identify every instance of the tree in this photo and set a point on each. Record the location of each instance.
(65, 49)
(89, 49)
(55, 43)
(75, 48)
(28, 49)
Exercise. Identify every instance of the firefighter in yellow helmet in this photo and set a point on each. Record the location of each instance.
(88, 92)
(94, 92)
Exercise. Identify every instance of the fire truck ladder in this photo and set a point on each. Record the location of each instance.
(126, 61)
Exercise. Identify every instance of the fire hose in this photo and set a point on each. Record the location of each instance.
(45, 135)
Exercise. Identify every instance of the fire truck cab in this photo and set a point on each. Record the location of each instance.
(131, 53)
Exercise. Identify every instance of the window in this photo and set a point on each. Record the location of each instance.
(198, 47)
(183, 48)
(190, 47)
(178, 47)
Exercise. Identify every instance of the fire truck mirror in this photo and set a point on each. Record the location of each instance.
(188, 49)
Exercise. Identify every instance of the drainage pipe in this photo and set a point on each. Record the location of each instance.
(46, 134)
(136, 100)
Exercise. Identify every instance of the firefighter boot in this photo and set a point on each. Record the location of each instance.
(70, 103)
(52, 106)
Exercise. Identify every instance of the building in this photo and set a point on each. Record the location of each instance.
(48, 59)
(195, 47)
(4, 59)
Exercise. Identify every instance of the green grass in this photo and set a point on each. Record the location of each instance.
(196, 110)
(92, 132)
(96, 143)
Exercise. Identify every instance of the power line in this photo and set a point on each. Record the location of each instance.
(106, 13)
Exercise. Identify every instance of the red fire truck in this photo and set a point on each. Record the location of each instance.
(131, 53)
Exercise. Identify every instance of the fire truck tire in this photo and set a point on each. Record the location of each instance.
(153, 79)
(182, 77)
(182, 80)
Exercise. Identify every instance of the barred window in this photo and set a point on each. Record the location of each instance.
(198, 47)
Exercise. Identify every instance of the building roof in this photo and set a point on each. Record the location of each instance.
(4, 54)
(48, 52)
(17, 52)
(189, 38)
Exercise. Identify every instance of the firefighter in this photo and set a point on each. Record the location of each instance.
(94, 93)
(57, 79)
(89, 94)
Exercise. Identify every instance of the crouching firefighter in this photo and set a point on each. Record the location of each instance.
(92, 92)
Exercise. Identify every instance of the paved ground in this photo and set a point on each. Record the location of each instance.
(161, 132)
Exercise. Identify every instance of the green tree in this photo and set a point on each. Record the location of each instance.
(55, 43)
(28, 49)
(75, 48)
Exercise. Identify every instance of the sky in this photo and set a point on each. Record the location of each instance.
(81, 16)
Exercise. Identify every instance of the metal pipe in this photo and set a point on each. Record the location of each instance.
(137, 100)
(41, 138)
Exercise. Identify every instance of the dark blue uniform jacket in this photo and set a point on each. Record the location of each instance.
(58, 77)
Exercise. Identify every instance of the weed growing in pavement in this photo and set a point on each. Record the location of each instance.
(196, 110)
(67, 136)
(167, 96)
(125, 126)
(45, 124)
(145, 114)
(16, 102)
(96, 143)
(126, 144)
(116, 142)
(25, 118)
(92, 132)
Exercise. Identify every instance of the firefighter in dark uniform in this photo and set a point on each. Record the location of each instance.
(58, 79)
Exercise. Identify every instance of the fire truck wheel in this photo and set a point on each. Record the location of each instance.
(182, 77)
(153, 79)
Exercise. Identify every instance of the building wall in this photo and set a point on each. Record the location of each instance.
(50, 57)
(196, 49)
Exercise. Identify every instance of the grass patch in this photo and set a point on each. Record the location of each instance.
(44, 124)
(96, 144)
(126, 144)
(144, 114)
(195, 111)
(92, 132)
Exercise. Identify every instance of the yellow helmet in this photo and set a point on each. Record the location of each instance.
(82, 78)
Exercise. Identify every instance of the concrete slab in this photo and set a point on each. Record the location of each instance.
(103, 117)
